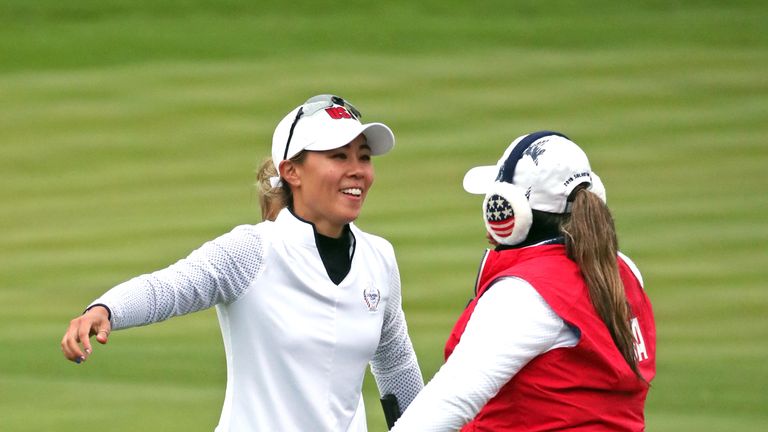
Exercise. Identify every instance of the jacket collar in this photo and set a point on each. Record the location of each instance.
(299, 230)
(295, 228)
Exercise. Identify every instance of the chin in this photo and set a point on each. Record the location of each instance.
(351, 213)
(350, 217)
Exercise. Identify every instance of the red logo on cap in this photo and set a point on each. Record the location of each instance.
(338, 113)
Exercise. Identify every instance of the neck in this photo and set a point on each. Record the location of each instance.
(328, 229)
(332, 232)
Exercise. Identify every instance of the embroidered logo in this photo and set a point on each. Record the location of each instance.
(337, 113)
(535, 151)
(371, 296)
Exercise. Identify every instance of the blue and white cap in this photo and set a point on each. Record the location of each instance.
(546, 165)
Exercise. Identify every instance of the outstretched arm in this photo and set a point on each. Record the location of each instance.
(220, 271)
(510, 325)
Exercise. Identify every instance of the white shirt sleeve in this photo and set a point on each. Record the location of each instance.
(394, 365)
(219, 271)
(511, 325)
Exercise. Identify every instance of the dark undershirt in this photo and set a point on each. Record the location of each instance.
(336, 254)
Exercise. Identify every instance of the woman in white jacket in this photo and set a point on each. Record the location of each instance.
(305, 299)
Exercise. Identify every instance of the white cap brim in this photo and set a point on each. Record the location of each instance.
(478, 180)
(378, 136)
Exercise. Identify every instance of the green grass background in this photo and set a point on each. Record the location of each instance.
(130, 132)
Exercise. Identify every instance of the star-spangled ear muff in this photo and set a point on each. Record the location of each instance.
(507, 214)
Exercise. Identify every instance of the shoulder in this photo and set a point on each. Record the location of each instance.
(633, 267)
(508, 287)
(516, 316)
(553, 276)
(511, 289)
(247, 231)
(514, 292)
(245, 238)
(251, 230)
(377, 253)
(540, 266)
(377, 244)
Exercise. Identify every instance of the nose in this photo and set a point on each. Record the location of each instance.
(358, 167)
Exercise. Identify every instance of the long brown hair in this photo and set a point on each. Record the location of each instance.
(590, 241)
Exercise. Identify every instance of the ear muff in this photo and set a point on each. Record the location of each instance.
(506, 211)
(507, 214)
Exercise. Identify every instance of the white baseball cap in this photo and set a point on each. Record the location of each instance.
(326, 122)
(546, 165)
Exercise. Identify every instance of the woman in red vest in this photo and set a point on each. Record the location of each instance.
(560, 334)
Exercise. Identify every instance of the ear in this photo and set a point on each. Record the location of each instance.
(289, 172)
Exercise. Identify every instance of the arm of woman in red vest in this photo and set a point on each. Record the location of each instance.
(511, 325)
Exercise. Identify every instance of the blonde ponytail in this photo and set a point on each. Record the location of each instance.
(271, 199)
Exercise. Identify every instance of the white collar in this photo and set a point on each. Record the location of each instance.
(296, 229)
(300, 230)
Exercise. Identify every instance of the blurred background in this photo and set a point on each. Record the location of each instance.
(130, 133)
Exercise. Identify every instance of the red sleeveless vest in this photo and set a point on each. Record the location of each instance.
(586, 387)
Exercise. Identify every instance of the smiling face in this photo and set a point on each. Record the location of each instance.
(329, 187)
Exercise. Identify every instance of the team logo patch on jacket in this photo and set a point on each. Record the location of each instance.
(372, 295)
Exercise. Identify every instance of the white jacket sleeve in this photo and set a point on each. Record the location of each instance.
(511, 325)
(394, 365)
(219, 271)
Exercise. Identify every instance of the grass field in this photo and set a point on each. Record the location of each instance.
(130, 132)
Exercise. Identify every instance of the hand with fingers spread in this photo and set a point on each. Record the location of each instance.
(76, 343)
